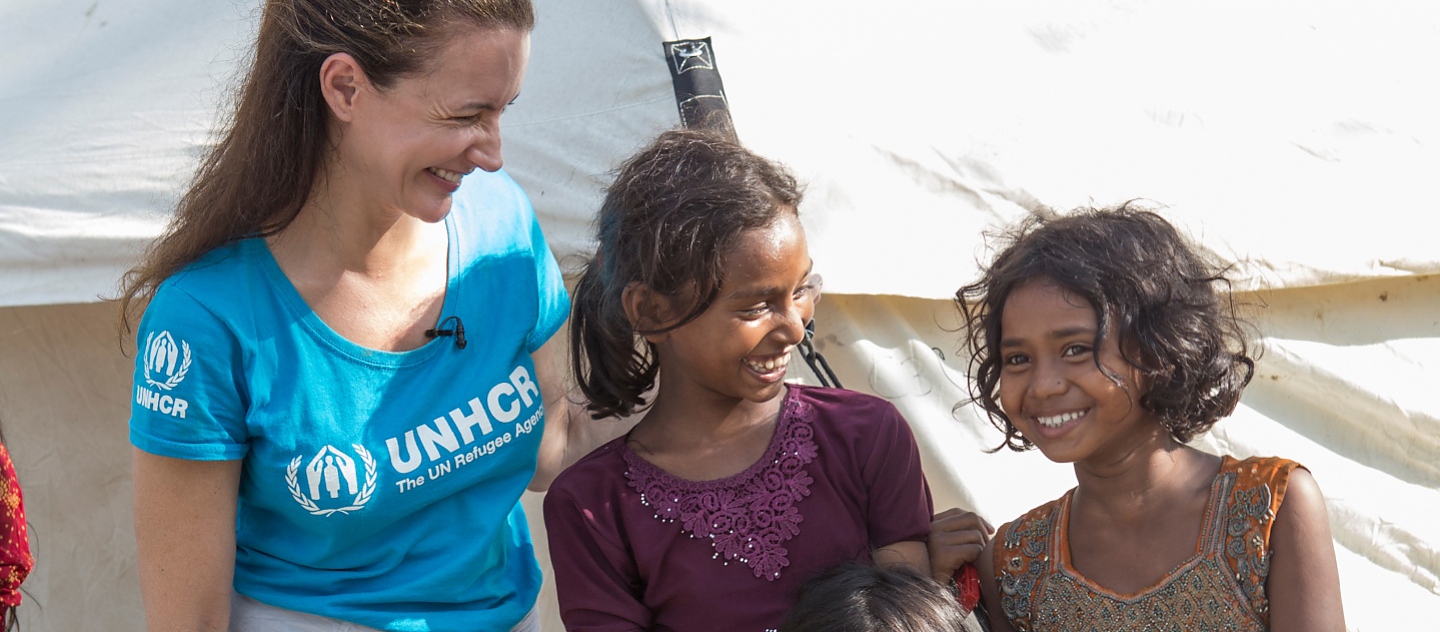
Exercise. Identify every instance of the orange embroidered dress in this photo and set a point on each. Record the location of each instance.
(1221, 587)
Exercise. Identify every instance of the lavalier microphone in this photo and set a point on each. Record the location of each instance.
(445, 329)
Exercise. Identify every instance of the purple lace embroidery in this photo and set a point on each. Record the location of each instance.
(748, 516)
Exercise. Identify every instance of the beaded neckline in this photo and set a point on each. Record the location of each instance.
(747, 516)
(1205, 542)
(1221, 586)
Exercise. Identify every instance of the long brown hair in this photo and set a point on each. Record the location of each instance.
(258, 176)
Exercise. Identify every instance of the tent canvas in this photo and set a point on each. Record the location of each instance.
(1295, 140)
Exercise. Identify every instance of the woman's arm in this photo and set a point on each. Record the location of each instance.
(1304, 584)
(570, 432)
(185, 541)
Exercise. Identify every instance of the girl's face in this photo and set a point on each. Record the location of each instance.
(410, 145)
(738, 349)
(1051, 388)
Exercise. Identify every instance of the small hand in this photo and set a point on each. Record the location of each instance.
(956, 538)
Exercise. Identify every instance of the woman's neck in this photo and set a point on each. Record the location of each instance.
(377, 280)
(340, 231)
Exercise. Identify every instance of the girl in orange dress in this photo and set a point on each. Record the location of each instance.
(1106, 341)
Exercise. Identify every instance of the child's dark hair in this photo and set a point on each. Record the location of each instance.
(1171, 307)
(668, 222)
(854, 597)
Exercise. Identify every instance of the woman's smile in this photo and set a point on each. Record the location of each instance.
(449, 176)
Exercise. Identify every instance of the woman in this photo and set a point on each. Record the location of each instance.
(313, 422)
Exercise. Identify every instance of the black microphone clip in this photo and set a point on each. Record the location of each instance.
(458, 330)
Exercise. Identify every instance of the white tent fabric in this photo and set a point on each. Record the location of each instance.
(1297, 140)
(1291, 137)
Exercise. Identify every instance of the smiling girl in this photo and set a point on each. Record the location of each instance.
(735, 487)
(1103, 339)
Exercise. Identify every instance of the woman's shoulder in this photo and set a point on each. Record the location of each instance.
(213, 288)
(492, 218)
(223, 263)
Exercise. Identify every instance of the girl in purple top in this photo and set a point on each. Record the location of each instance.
(735, 487)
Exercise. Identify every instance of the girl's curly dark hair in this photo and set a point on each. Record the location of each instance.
(673, 214)
(1172, 308)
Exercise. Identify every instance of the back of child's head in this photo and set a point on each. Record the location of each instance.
(1170, 305)
(855, 597)
(668, 223)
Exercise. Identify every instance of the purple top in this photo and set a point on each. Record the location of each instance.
(635, 548)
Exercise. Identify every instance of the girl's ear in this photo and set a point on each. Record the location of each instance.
(645, 310)
(341, 79)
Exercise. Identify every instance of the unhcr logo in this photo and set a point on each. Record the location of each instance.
(165, 366)
(164, 359)
(331, 478)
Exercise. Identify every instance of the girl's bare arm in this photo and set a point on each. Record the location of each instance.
(1304, 584)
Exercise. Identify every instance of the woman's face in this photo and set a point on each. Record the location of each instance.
(407, 147)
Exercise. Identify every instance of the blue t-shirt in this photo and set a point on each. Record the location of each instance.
(378, 487)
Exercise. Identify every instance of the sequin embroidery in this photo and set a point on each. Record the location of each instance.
(748, 517)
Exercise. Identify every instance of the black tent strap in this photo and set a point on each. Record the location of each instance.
(699, 92)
